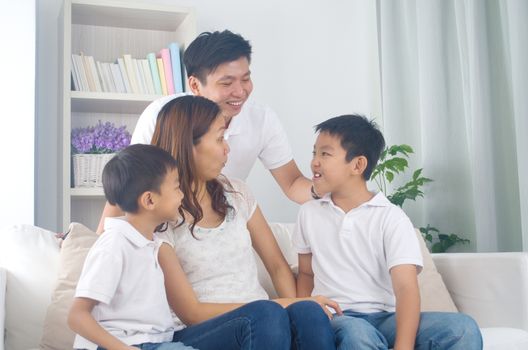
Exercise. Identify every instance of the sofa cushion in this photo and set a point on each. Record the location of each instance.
(30, 255)
(56, 334)
(434, 295)
(500, 338)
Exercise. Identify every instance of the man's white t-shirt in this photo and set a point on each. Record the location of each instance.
(352, 253)
(255, 132)
(219, 262)
(122, 273)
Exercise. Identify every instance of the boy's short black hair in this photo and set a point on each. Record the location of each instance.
(211, 49)
(359, 137)
(133, 171)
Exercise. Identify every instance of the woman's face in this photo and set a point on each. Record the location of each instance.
(210, 154)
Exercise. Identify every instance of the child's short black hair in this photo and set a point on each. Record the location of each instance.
(359, 137)
(211, 49)
(133, 171)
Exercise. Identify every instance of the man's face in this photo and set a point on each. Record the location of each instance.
(229, 86)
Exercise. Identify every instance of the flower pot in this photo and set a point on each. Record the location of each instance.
(88, 169)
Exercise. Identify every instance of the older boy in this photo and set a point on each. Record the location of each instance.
(360, 250)
(120, 301)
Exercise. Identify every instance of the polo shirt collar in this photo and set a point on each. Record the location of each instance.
(379, 200)
(134, 236)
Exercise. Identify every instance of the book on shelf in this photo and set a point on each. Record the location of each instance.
(165, 56)
(124, 74)
(177, 75)
(118, 78)
(163, 81)
(95, 73)
(131, 73)
(148, 76)
(151, 58)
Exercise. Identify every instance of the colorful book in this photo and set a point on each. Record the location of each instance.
(177, 75)
(161, 70)
(151, 58)
(89, 74)
(165, 56)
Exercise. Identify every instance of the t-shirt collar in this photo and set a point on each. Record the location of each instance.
(379, 200)
(133, 235)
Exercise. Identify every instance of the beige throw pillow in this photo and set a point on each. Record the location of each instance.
(433, 292)
(56, 334)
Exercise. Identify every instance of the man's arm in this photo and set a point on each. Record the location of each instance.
(292, 182)
(109, 211)
(405, 285)
(305, 283)
(81, 321)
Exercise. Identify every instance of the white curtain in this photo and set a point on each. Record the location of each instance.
(454, 85)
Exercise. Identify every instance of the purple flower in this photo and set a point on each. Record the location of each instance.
(102, 138)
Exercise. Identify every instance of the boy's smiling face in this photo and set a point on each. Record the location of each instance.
(170, 196)
(331, 171)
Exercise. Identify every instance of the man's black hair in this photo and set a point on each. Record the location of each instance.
(133, 171)
(211, 49)
(359, 137)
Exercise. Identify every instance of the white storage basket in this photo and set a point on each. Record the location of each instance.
(88, 169)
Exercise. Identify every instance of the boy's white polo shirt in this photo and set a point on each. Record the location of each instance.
(352, 253)
(255, 132)
(122, 273)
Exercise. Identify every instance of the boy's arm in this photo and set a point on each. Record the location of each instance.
(181, 296)
(305, 283)
(405, 285)
(267, 248)
(81, 321)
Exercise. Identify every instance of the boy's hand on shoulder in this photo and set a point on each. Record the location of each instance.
(325, 303)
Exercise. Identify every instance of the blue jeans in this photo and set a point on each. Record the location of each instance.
(263, 325)
(159, 346)
(437, 330)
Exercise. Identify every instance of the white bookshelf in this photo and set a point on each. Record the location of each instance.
(107, 30)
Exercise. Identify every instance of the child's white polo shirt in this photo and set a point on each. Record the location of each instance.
(122, 273)
(255, 132)
(352, 253)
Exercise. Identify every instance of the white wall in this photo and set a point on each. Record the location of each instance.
(17, 91)
(312, 60)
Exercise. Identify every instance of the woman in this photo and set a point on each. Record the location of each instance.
(213, 274)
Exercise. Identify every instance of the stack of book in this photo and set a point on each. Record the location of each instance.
(157, 74)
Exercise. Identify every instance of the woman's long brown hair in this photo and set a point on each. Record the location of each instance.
(180, 125)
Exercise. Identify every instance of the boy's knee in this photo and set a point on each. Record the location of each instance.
(356, 333)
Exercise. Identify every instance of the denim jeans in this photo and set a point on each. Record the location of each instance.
(159, 346)
(437, 330)
(263, 325)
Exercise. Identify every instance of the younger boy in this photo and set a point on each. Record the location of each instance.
(120, 301)
(357, 248)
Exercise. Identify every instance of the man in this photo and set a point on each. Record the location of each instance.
(217, 67)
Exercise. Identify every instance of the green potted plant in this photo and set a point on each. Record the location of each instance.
(393, 162)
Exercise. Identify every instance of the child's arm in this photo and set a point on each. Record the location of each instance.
(180, 294)
(405, 285)
(81, 321)
(267, 248)
(305, 277)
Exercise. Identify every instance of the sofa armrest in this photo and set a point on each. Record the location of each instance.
(3, 286)
(491, 287)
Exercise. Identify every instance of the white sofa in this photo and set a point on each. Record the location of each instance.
(491, 287)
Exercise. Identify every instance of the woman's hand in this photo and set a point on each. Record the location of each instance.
(325, 303)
